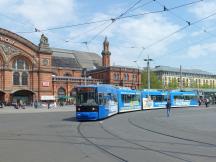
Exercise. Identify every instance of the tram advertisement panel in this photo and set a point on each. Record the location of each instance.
(147, 103)
(181, 102)
(112, 107)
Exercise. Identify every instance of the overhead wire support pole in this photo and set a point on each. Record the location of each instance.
(180, 77)
(148, 68)
(138, 68)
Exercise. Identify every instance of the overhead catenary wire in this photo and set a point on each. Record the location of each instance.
(121, 16)
(85, 32)
(130, 8)
(108, 19)
(114, 20)
(177, 31)
(69, 26)
(146, 3)
(179, 17)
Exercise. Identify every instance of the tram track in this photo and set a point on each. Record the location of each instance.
(168, 135)
(98, 146)
(143, 147)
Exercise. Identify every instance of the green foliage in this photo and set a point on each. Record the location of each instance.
(155, 83)
(205, 86)
(173, 84)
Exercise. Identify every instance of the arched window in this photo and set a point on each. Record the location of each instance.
(61, 92)
(67, 74)
(20, 64)
(24, 78)
(114, 76)
(118, 76)
(20, 72)
(16, 78)
(126, 77)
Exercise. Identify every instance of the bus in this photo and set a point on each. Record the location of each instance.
(128, 100)
(95, 102)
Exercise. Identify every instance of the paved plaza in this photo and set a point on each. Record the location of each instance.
(54, 135)
(30, 109)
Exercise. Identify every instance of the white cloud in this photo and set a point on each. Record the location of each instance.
(142, 33)
(203, 9)
(6, 3)
(201, 50)
(139, 32)
(46, 13)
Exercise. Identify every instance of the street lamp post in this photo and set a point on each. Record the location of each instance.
(148, 68)
(138, 72)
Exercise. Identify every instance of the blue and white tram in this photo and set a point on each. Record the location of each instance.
(128, 100)
(154, 99)
(95, 102)
(183, 98)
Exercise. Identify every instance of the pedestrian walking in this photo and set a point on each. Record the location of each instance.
(48, 104)
(36, 104)
(206, 102)
(168, 107)
(200, 102)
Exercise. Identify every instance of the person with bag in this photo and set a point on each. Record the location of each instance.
(168, 107)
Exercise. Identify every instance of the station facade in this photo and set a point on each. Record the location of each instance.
(191, 78)
(29, 72)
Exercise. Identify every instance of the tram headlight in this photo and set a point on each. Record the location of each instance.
(78, 109)
(93, 109)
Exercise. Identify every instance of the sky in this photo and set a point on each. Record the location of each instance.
(172, 33)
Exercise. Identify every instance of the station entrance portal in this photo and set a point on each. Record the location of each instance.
(24, 95)
(2, 95)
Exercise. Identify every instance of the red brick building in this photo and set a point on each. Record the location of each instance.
(116, 75)
(30, 72)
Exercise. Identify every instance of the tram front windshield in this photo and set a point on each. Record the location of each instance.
(87, 96)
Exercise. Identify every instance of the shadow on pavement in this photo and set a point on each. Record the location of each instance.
(70, 119)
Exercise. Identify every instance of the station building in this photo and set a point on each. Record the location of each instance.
(117, 75)
(30, 72)
(191, 78)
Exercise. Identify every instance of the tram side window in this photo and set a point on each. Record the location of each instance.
(108, 97)
(136, 98)
(165, 97)
(158, 98)
(189, 97)
(178, 97)
(101, 98)
(115, 98)
(104, 98)
(127, 98)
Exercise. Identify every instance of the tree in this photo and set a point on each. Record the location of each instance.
(155, 82)
(205, 86)
(173, 84)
